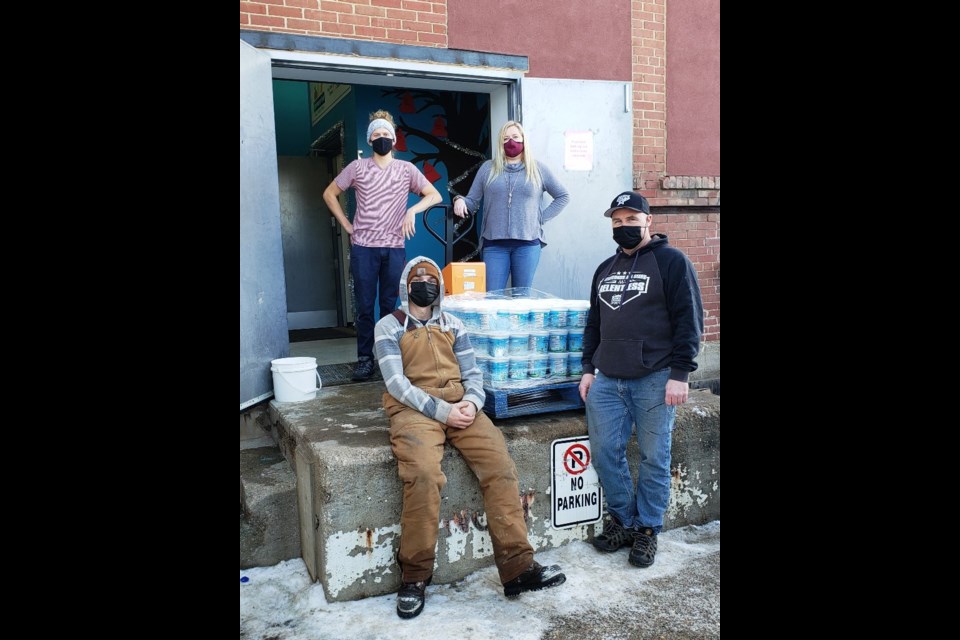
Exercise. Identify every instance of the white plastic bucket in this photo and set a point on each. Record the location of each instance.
(293, 379)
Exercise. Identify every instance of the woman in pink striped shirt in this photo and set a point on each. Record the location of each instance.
(380, 225)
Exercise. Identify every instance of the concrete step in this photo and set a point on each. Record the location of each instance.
(269, 526)
(349, 494)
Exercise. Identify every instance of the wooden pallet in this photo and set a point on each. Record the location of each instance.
(508, 403)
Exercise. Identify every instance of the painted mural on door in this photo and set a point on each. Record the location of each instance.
(447, 135)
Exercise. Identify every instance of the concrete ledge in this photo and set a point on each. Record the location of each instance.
(708, 363)
(349, 494)
(269, 528)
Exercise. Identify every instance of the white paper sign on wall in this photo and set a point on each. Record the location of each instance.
(578, 150)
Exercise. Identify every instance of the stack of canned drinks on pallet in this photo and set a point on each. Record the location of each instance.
(523, 342)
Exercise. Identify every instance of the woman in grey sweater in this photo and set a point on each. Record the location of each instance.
(510, 186)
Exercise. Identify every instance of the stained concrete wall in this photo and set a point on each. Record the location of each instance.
(349, 494)
(269, 525)
(708, 363)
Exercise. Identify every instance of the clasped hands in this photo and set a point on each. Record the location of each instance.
(462, 415)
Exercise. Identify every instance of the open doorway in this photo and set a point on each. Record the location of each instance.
(316, 251)
(265, 59)
(321, 127)
(322, 253)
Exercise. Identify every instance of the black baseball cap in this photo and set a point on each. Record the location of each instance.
(628, 200)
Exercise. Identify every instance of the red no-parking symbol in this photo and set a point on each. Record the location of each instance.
(574, 457)
(576, 496)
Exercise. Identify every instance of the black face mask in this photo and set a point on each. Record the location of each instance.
(628, 237)
(423, 294)
(382, 146)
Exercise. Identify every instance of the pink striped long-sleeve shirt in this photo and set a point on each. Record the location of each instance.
(381, 199)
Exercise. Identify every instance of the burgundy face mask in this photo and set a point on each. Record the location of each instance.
(512, 148)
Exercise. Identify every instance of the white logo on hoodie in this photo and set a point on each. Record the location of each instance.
(618, 289)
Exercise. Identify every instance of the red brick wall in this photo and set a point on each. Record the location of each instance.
(693, 84)
(552, 34)
(400, 21)
(697, 234)
(649, 95)
(695, 231)
(651, 144)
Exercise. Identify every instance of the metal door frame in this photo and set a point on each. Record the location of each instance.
(312, 59)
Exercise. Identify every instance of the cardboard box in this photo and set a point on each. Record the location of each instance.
(464, 277)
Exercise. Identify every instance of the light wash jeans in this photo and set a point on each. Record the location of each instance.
(614, 405)
(501, 262)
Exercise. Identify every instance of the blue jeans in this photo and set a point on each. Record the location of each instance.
(370, 266)
(614, 405)
(502, 261)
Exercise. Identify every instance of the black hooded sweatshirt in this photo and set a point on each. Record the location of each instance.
(645, 314)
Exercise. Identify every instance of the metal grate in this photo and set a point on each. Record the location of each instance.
(332, 375)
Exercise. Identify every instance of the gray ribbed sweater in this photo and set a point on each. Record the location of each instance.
(522, 220)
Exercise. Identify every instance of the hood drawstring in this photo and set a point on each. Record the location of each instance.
(442, 320)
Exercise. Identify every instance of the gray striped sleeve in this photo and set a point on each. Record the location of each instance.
(386, 346)
(470, 374)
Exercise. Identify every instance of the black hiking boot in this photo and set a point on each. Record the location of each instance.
(411, 597)
(644, 549)
(614, 537)
(536, 577)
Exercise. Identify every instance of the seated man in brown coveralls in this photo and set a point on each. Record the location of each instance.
(434, 395)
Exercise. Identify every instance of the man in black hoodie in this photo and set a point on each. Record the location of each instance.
(639, 347)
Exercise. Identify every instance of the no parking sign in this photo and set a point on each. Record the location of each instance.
(575, 492)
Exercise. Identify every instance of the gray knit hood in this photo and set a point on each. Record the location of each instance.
(404, 303)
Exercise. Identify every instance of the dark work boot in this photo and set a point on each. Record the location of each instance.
(411, 597)
(614, 537)
(536, 577)
(644, 549)
(364, 370)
